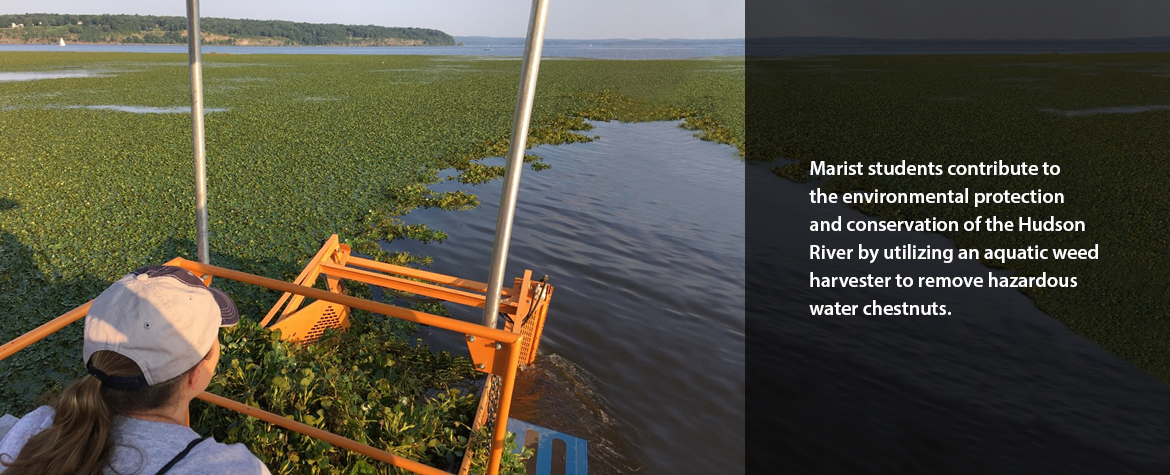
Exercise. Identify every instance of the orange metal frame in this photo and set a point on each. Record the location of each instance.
(493, 351)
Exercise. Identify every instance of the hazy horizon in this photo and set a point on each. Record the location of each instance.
(645, 19)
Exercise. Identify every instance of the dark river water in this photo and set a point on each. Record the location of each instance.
(642, 234)
(995, 387)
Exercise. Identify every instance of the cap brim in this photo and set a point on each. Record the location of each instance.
(227, 308)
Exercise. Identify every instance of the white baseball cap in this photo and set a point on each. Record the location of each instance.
(162, 317)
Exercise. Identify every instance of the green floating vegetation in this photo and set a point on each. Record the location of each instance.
(306, 146)
(367, 384)
(562, 130)
(967, 109)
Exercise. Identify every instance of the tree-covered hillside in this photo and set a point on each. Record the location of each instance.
(48, 27)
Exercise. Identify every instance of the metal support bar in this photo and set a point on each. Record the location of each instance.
(446, 323)
(355, 261)
(329, 437)
(418, 288)
(329, 246)
(39, 333)
(508, 362)
(501, 426)
(196, 60)
(516, 148)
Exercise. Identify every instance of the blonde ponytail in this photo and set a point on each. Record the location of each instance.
(80, 440)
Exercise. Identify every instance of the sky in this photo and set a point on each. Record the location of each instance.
(567, 19)
(975, 19)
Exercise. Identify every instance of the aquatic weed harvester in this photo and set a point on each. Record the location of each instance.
(496, 352)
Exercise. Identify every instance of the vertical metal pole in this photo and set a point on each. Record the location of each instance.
(197, 130)
(523, 115)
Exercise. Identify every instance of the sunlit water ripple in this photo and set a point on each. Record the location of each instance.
(642, 234)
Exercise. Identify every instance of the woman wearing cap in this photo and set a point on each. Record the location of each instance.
(151, 345)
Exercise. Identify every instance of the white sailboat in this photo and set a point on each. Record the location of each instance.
(60, 41)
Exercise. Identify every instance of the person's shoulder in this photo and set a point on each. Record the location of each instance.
(31, 424)
(38, 416)
(210, 456)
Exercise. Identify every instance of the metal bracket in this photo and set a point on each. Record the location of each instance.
(489, 356)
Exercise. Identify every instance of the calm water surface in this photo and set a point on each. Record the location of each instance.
(642, 234)
(35, 75)
(147, 110)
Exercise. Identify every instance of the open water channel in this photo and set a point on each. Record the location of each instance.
(642, 235)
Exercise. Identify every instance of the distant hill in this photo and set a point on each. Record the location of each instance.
(48, 27)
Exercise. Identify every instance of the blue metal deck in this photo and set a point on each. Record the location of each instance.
(555, 453)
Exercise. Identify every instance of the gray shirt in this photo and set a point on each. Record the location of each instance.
(143, 447)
